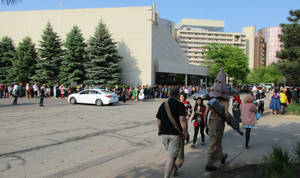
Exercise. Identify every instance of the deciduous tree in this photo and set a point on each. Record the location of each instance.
(232, 58)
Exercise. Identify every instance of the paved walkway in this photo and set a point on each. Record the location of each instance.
(271, 130)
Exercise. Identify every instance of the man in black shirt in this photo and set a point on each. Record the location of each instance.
(171, 137)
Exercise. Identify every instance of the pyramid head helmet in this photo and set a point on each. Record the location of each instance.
(219, 87)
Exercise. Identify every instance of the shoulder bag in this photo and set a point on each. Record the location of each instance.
(180, 158)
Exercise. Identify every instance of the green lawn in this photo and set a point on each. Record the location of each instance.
(293, 108)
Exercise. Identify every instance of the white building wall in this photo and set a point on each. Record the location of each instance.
(250, 36)
(131, 27)
(146, 47)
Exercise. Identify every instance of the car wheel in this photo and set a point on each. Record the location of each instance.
(99, 102)
(73, 101)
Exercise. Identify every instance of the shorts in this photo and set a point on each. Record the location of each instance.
(171, 143)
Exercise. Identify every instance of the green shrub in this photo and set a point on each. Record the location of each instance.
(297, 153)
(277, 164)
(294, 108)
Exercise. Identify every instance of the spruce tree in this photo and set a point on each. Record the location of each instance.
(7, 53)
(50, 52)
(290, 53)
(72, 65)
(24, 62)
(103, 65)
(290, 37)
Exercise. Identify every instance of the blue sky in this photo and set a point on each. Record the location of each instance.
(235, 13)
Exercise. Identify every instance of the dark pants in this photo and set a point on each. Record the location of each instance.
(6, 94)
(247, 136)
(261, 108)
(15, 100)
(284, 106)
(124, 98)
(237, 115)
(41, 101)
(196, 130)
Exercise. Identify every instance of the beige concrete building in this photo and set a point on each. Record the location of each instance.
(193, 34)
(144, 41)
(249, 32)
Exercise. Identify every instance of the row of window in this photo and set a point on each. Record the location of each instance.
(201, 44)
(206, 34)
(206, 39)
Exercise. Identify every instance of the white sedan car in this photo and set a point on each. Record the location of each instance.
(98, 97)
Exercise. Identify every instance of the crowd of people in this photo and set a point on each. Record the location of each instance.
(128, 92)
(173, 116)
(282, 97)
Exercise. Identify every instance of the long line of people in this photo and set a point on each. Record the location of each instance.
(130, 92)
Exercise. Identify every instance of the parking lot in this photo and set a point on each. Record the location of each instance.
(62, 139)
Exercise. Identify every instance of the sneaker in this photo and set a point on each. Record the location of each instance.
(210, 168)
(223, 160)
(193, 145)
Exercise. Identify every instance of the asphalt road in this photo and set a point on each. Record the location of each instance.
(63, 140)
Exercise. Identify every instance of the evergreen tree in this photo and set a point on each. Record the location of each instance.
(24, 61)
(50, 52)
(103, 65)
(290, 52)
(72, 66)
(7, 53)
(290, 37)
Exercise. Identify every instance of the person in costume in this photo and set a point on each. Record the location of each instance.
(283, 100)
(216, 122)
(275, 102)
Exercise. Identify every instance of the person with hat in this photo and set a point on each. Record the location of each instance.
(216, 124)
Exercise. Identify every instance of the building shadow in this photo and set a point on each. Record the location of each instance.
(18, 105)
(131, 74)
(261, 142)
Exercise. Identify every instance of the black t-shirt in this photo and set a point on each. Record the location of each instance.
(177, 109)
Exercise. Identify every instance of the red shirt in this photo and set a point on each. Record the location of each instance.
(237, 99)
(188, 109)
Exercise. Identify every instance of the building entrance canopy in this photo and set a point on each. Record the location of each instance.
(165, 66)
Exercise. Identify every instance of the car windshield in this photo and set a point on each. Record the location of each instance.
(106, 92)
